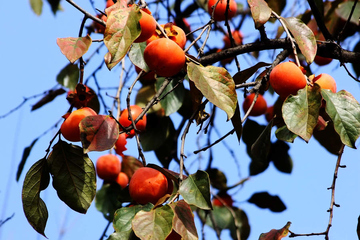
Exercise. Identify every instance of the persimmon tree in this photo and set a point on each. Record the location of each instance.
(200, 91)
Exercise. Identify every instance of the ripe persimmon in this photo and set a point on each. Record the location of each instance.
(325, 81)
(147, 77)
(125, 120)
(108, 167)
(147, 185)
(109, 3)
(122, 179)
(164, 57)
(173, 32)
(70, 127)
(260, 106)
(147, 24)
(225, 199)
(236, 35)
(220, 10)
(287, 78)
(120, 144)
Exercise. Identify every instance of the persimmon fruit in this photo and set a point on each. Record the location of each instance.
(122, 179)
(108, 167)
(287, 78)
(220, 10)
(99, 28)
(164, 57)
(125, 120)
(147, 77)
(260, 106)
(236, 35)
(173, 32)
(70, 127)
(269, 114)
(225, 198)
(147, 185)
(147, 24)
(325, 81)
(109, 3)
(120, 144)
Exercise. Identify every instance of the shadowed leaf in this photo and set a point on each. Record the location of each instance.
(344, 10)
(50, 95)
(236, 122)
(301, 112)
(284, 134)
(242, 224)
(144, 95)
(260, 12)
(276, 234)
(265, 200)
(329, 138)
(280, 156)
(344, 111)
(196, 190)
(155, 224)
(68, 76)
(261, 147)
(36, 180)
(183, 222)
(74, 177)
(106, 200)
(173, 100)
(74, 48)
(129, 165)
(25, 155)
(242, 76)
(122, 28)
(98, 133)
(55, 5)
(218, 179)
(216, 84)
(304, 37)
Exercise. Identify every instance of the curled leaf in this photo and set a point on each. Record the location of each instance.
(274, 234)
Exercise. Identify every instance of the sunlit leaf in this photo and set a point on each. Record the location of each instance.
(98, 133)
(34, 207)
(154, 225)
(265, 200)
(36, 6)
(304, 37)
(344, 111)
(216, 84)
(344, 9)
(124, 216)
(276, 234)
(173, 100)
(183, 222)
(68, 76)
(196, 190)
(25, 155)
(74, 48)
(260, 12)
(136, 55)
(106, 200)
(300, 112)
(122, 28)
(74, 177)
(50, 95)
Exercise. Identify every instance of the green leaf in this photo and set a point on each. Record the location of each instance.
(173, 101)
(265, 200)
(124, 216)
(106, 200)
(74, 176)
(284, 134)
(122, 28)
(74, 47)
(196, 190)
(222, 218)
(216, 84)
(159, 128)
(304, 37)
(274, 234)
(36, 6)
(98, 133)
(218, 179)
(136, 55)
(183, 222)
(25, 155)
(280, 156)
(34, 207)
(260, 12)
(156, 224)
(344, 111)
(344, 9)
(68, 76)
(300, 112)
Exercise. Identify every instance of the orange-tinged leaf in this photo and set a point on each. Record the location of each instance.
(304, 37)
(216, 84)
(98, 133)
(122, 28)
(274, 234)
(260, 12)
(183, 221)
(74, 48)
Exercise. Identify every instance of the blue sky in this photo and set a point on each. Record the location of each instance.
(29, 64)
